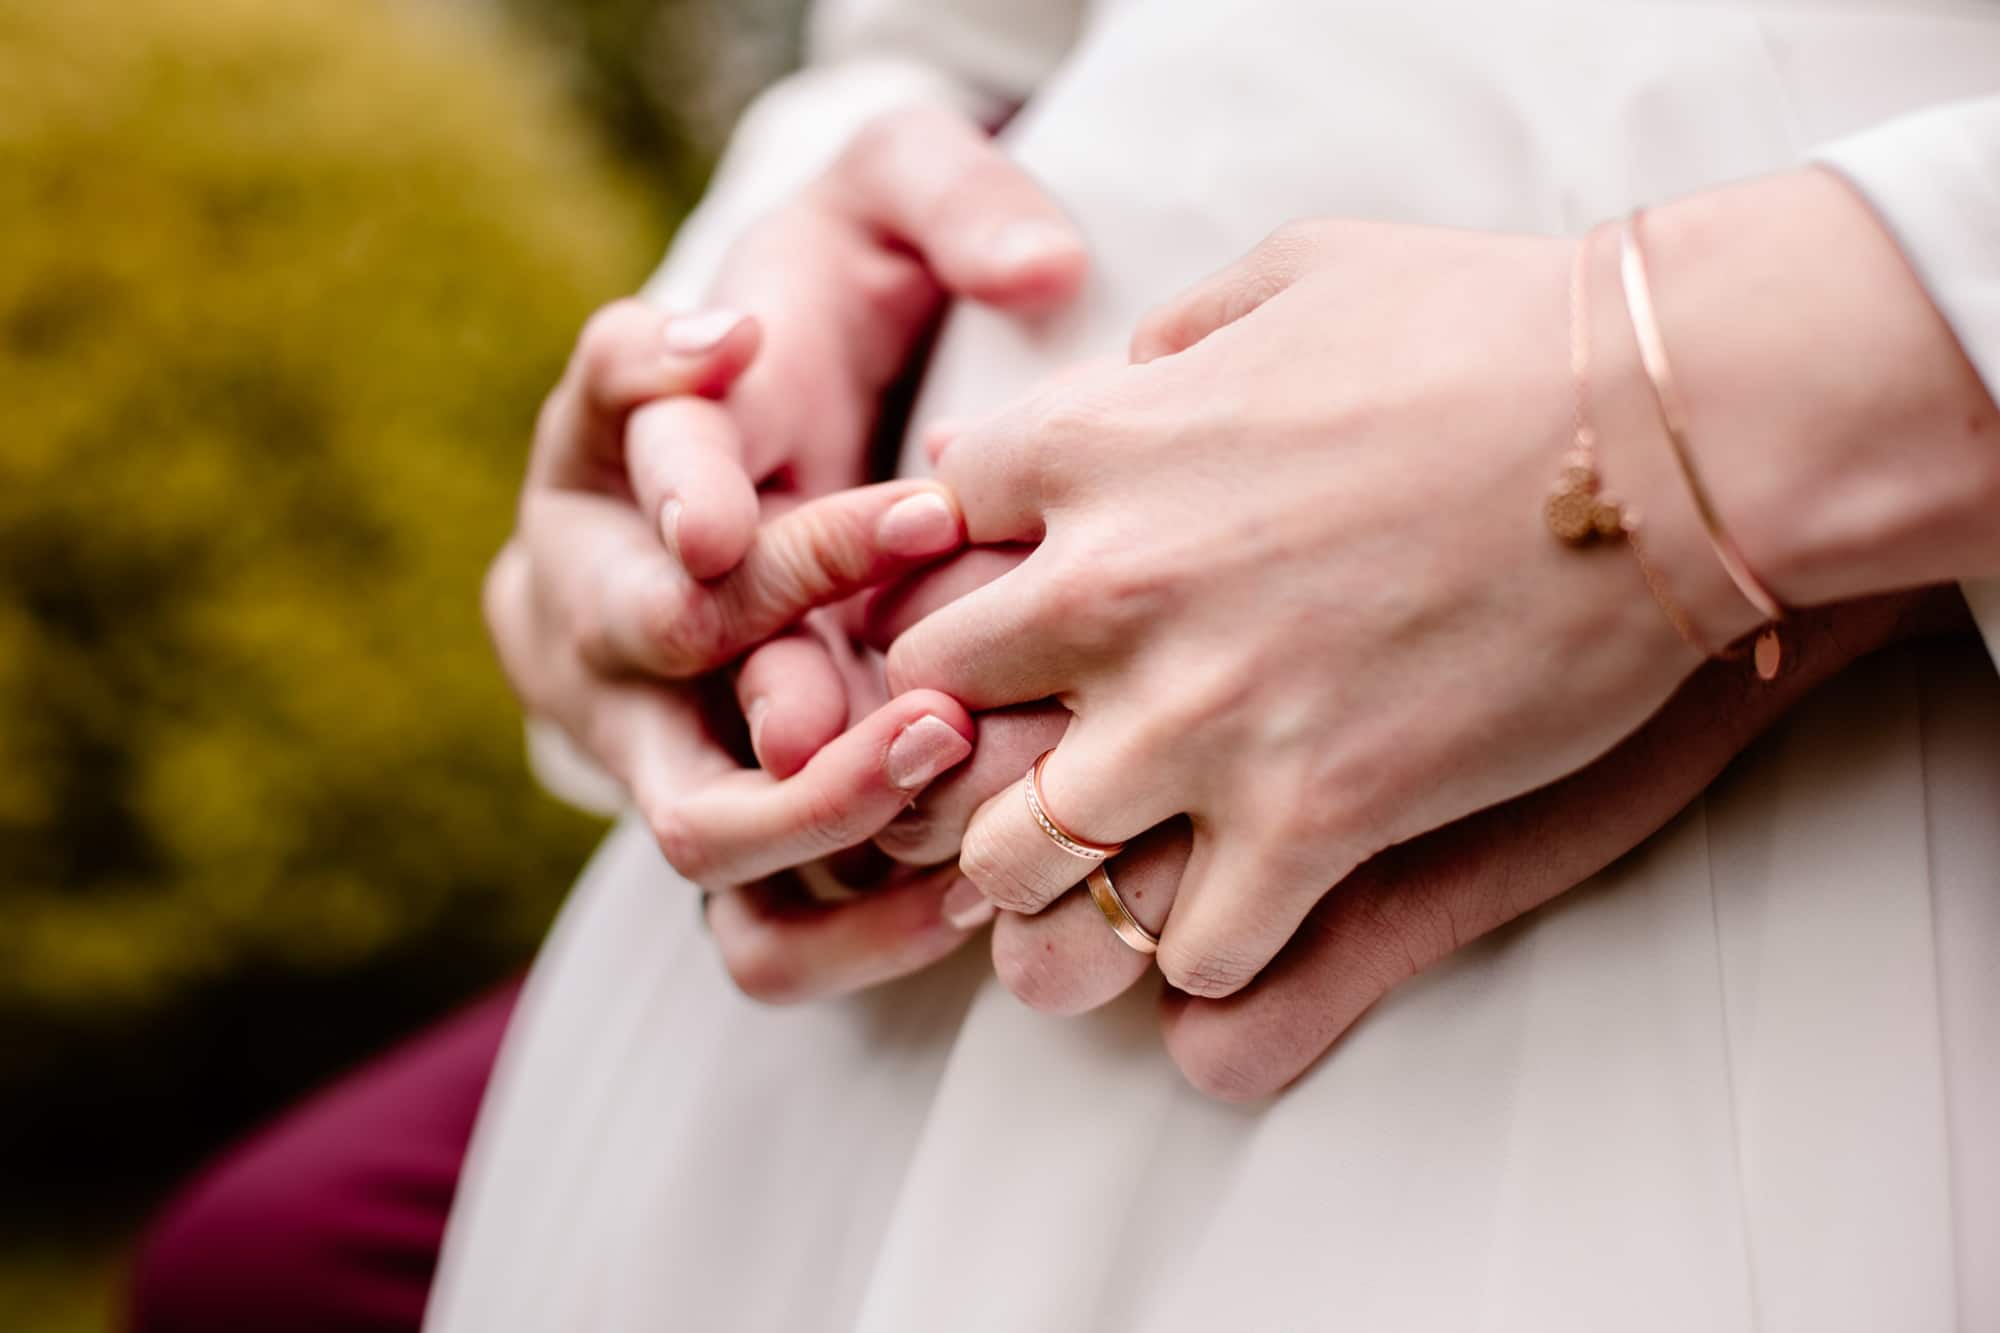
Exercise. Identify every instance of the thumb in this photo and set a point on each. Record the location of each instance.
(937, 182)
(630, 354)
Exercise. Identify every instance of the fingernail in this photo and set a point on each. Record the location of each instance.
(965, 906)
(670, 526)
(691, 335)
(921, 525)
(759, 709)
(926, 748)
(1027, 243)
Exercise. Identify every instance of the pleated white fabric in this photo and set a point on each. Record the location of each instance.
(1745, 1080)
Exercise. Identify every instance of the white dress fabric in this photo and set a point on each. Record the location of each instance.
(1747, 1079)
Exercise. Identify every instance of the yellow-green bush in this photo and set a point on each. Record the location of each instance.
(281, 283)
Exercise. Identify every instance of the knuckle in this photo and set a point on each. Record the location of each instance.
(1368, 940)
(1287, 243)
(802, 560)
(761, 967)
(910, 663)
(1028, 967)
(678, 840)
(1209, 969)
(999, 875)
(916, 837)
(826, 822)
(874, 142)
(1158, 333)
(885, 138)
(682, 625)
(500, 594)
(1223, 1069)
(604, 332)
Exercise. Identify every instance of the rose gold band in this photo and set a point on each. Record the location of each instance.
(1673, 417)
(1057, 834)
(1578, 508)
(1109, 902)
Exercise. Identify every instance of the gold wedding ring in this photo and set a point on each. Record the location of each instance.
(1118, 915)
(1060, 836)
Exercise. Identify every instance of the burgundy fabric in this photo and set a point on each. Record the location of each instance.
(329, 1220)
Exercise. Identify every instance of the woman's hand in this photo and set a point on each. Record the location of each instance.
(658, 539)
(1293, 581)
(1407, 908)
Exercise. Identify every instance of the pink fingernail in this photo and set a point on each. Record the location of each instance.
(1025, 244)
(759, 709)
(670, 527)
(691, 335)
(924, 749)
(922, 525)
(965, 907)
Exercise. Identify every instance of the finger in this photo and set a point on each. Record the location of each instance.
(1068, 959)
(630, 353)
(1009, 740)
(788, 952)
(1224, 297)
(748, 825)
(1417, 902)
(895, 607)
(939, 184)
(793, 699)
(685, 463)
(1016, 861)
(601, 576)
(1241, 898)
(826, 551)
(1005, 470)
(668, 624)
(993, 647)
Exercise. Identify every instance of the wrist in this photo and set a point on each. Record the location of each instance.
(1846, 443)
(1642, 470)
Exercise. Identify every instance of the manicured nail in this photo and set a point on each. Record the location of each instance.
(691, 335)
(670, 526)
(924, 524)
(1025, 244)
(759, 709)
(926, 748)
(965, 906)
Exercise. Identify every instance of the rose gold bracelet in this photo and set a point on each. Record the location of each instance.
(1578, 509)
(1666, 394)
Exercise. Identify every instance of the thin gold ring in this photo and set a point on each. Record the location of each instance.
(1060, 836)
(1118, 915)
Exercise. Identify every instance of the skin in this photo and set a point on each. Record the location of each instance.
(1398, 912)
(686, 511)
(1327, 665)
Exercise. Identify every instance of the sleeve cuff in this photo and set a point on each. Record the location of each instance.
(1933, 177)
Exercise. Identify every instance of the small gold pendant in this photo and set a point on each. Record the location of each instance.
(1577, 511)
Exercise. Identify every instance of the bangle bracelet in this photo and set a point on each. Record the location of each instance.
(1673, 418)
(1578, 510)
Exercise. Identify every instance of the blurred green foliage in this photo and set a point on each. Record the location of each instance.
(281, 285)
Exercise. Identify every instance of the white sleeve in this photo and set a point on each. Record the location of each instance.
(864, 57)
(1934, 179)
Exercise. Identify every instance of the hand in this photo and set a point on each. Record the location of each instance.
(1419, 902)
(1405, 909)
(1293, 581)
(635, 441)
